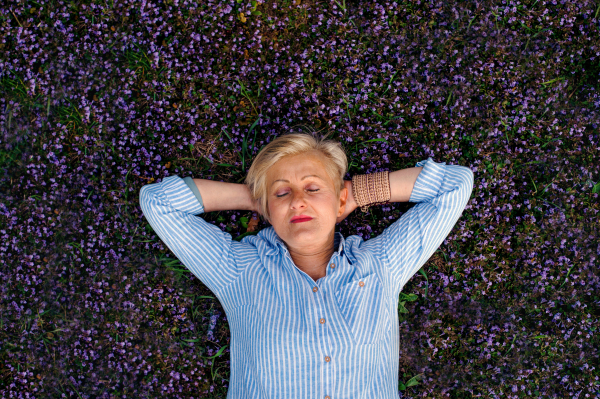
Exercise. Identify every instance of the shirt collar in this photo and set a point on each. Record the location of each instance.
(270, 236)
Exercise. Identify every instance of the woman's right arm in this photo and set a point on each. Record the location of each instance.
(221, 196)
(205, 249)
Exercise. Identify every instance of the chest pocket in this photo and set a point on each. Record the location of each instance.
(360, 303)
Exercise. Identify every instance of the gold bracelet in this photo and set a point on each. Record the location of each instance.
(371, 189)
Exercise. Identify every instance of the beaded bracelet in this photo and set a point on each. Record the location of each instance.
(371, 189)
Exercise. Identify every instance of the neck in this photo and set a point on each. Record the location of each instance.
(314, 261)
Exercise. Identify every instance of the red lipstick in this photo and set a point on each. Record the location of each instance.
(300, 219)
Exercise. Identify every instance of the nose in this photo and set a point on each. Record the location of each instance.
(298, 200)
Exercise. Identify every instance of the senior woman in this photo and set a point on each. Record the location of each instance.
(312, 314)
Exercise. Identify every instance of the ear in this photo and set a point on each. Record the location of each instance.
(343, 199)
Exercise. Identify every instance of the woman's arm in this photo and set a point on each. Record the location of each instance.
(441, 192)
(402, 182)
(171, 206)
(221, 196)
(401, 185)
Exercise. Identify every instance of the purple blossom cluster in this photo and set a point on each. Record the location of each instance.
(99, 98)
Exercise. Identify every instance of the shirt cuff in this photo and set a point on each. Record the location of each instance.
(179, 195)
(190, 182)
(429, 181)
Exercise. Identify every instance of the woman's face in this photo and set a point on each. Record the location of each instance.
(299, 186)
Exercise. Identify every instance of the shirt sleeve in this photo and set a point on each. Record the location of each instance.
(205, 249)
(441, 192)
(190, 183)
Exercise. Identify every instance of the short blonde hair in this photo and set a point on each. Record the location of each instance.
(293, 143)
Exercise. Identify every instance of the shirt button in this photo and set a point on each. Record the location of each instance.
(327, 358)
(327, 397)
(315, 289)
(322, 321)
(333, 265)
(362, 283)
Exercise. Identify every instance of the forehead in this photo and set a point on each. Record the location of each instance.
(297, 166)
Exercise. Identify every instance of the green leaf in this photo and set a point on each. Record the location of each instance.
(226, 134)
(596, 188)
(426, 280)
(410, 297)
(401, 308)
(255, 12)
(254, 125)
(553, 80)
(216, 354)
(412, 382)
(569, 272)
(244, 222)
(244, 148)
(380, 139)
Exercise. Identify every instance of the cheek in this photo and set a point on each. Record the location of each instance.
(330, 204)
(275, 207)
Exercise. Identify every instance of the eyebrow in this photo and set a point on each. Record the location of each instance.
(287, 181)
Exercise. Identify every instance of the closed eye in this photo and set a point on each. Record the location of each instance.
(312, 191)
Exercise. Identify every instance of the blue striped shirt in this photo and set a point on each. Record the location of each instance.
(292, 337)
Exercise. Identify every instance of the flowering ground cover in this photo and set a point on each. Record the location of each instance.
(99, 98)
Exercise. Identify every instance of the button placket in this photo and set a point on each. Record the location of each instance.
(323, 332)
(328, 370)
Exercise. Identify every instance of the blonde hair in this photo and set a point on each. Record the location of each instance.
(294, 143)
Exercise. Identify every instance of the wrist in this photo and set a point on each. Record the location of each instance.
(371, 189)
(250, 203)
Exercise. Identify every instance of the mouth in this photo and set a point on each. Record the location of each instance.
(301, 219)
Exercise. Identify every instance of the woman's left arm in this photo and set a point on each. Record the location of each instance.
(441, 192)
(401, 185)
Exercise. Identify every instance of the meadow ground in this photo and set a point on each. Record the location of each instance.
(99, 98)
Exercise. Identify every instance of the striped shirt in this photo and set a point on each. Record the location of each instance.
(292, 337)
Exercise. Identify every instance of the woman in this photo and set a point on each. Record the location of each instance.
(312, 314)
